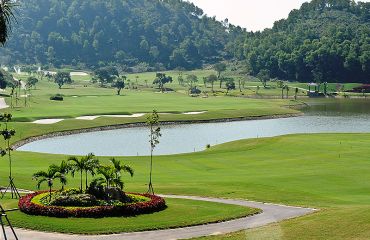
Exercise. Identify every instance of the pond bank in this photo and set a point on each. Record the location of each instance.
(142, 124)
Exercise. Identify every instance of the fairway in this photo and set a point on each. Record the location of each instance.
(324, 171)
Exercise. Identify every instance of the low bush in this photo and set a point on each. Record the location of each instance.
(77, 200)
(57, 97)
(31, 205)
(195, 91)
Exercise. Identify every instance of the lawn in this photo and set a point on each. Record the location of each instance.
(324, 171)
(179, 213)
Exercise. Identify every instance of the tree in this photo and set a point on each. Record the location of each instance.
(180, 79)
(296, 93)
(6, 19)
(120, 84)
(31, 82)
(105, 75)
(191, 79)
(161, 79)
(155, 134)
(264, 76)
(212, 79)
(7, 135)
(6, 79)
(109, 177)
(48, 177)
(230, 85)
(119, 167)
(220, 68)
(62, 78)
(91, 165)
(63, 169)
(241, 83)
(84, 164)
(287, 91)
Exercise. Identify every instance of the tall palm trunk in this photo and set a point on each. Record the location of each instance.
(86, 179)
(81, 180)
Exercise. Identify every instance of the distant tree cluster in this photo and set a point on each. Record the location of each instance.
(140, 33)
(323, 41)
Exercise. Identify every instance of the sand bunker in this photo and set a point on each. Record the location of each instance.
(47, 121)
(79, 74)
(194, 113)
(87, 118)
(126, 116)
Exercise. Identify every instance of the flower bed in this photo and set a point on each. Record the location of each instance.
(154, 204)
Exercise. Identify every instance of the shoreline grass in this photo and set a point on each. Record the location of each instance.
(324, 171)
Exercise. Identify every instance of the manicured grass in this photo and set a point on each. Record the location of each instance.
(179, 213)
(84, 98)
(325, 171)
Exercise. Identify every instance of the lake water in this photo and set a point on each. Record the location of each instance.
(322, 116)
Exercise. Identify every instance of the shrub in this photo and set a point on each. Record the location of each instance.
(76, 200)
(30, 207)
(195, 91)
(57, 97)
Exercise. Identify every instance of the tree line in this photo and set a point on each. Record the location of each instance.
(145, 34)
(323, 41)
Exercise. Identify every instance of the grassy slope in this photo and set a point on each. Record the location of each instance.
(84, 98)
(298, 170)
(325, 171)
(178, 214)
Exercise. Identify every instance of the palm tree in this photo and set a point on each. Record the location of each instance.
(81, 165)
(91, 165)
(64, 169)
(48, 177)
(108, 173)
(118, 167)
(6, 18)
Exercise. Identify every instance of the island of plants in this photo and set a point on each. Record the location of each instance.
(103, 197)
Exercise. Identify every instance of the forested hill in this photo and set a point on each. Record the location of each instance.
(325, 40)
(162, 33)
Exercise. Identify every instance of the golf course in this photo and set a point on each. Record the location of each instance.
(327, 172)
(184, 119)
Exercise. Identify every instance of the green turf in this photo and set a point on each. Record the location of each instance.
(324, 171)
(84, 98)
(179, 213)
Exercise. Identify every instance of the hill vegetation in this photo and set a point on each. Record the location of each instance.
(142, 33)
(323, 41)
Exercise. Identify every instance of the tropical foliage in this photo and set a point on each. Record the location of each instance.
(6, 18)
(323, 41)
(29, 205)
(144, 33)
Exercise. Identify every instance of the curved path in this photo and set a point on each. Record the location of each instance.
(271, 213)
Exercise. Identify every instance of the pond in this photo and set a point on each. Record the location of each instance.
(321, 116)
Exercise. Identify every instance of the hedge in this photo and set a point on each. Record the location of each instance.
(155, 204)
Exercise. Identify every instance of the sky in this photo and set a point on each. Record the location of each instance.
(252, 14)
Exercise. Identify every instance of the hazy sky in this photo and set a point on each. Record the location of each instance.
(251, 14)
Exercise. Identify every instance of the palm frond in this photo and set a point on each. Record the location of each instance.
(128, 169)
(6, 19)
(40, 174)
(39, 182)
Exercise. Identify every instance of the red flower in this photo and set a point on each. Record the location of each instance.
(155, 204)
